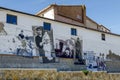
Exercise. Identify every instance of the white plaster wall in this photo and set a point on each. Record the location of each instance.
(49, 14)
(23, 22)
(2, 16)
(91, 39)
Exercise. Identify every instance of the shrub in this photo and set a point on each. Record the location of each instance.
(85, 72)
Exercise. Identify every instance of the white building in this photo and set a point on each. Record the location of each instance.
(100, 42)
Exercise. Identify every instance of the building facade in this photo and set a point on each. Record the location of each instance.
(31, 35)
(73, 14)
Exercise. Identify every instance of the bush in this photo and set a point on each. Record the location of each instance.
(85, 72)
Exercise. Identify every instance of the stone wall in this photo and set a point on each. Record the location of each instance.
(24, 62)
(24, 74)
(37, 74)
(113, 66)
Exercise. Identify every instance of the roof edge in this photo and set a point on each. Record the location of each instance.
(52, 5)
(59, 21)
(43, 10)
(96, 23)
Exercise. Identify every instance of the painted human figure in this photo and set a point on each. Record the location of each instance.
(78, 49)
(47, 46)
(38, 41)
(59, 47)
(21, 35)
(29, 47)
(21, 48)
(65, 48)
(2, 30)
(70, 44)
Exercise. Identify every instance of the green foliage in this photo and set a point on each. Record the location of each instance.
(85, 72)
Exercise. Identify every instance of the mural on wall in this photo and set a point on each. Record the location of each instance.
(64, 48)
(69, 48)
(28, 43)
(2, 30)
(78, 52)
(44, 44)
(25, 47)
(18, 44)
(94, 62)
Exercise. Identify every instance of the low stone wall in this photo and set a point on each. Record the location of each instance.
(90, 76)
(25, 74)
(113, 66)
(64, 64)
(47, 74)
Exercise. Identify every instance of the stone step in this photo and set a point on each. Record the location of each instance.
(13, 61)
(113, 66)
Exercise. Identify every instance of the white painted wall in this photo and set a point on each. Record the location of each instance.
(49, 14)
(91, 39)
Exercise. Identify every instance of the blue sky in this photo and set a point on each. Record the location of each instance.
(105, 12)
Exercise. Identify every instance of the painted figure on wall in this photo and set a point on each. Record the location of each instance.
(44, 44)
(2, 30)
(47, 46)
(39, 41)
(78, 52)
(64, 48)
(70, 48)
(18, 44)
(78, 48)
(25, 45)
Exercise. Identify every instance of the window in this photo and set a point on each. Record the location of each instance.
(103, 37)
(11, 19)
(73, 31)
(47, 26)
